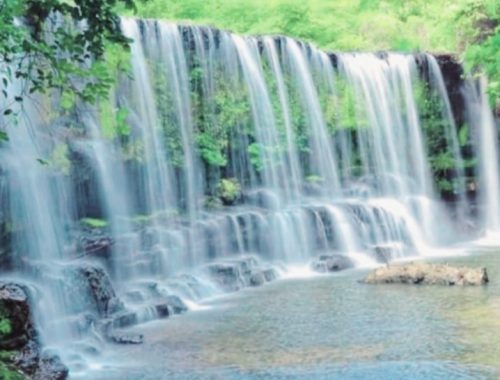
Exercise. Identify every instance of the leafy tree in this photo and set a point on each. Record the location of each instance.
(57, 45)
(482, 52)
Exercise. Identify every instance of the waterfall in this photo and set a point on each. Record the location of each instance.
(249, 148)
(481, 117)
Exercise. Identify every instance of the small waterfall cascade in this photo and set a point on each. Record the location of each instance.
(481, 117)
(219, 148)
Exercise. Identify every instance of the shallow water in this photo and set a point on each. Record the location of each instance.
(326, 327)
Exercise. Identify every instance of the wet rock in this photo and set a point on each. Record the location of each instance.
(332, 263)
(122, 338)
(40, 365)
(5, 237)
(175, 304)
(22, 338)
(257, 279)
(270, 274)
(428, 274)
(125, 319)
(162, 310)
(134, 296)
(95, 243)
(15, 309)
(101, 290)
(237, 273)
(226, 275)
(50, 368)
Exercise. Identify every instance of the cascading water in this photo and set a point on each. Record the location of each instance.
(481, 117)
(235, 147)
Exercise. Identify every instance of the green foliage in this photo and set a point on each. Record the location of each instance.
(7, 371)
(230, 114)
(481, 19)
(113, 121)
(166, 113)
(463, 135)
(444, 185)
(314, 179)
(60, 159)
(485, 57)
(211, 149)
(8, 374)
(442, 161)
(351, 111)
(58, 56)
(229, 190)
(5, 324)
(67, 100)
(256, 156)
(447, 25)
(339, 24)
(94, 223)
(133, 150)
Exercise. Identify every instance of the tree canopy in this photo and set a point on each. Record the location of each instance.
(57, 44)
(60, 44)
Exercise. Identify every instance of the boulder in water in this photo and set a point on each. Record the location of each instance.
(427, 274)
(332, 263)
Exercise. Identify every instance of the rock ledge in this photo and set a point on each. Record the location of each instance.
(427, 274)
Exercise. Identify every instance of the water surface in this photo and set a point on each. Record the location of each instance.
(326, 327)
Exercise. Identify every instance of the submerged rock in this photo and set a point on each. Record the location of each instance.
(122, 338)
(428, 274)
(332, 263)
